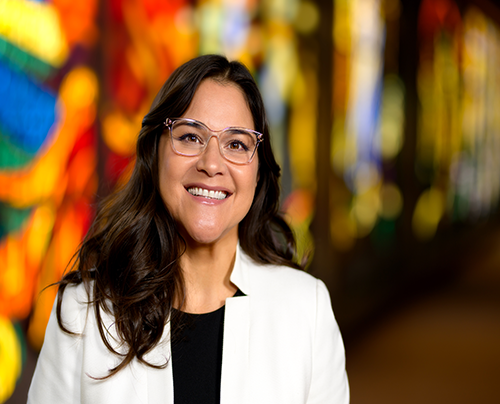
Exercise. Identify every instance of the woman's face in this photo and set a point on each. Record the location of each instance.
(203, 219)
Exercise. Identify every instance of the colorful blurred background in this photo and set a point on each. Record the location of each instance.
(384, 115)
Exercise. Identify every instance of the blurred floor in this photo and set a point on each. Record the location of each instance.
(443, 348)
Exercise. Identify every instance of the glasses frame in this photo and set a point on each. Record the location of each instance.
(169, 123)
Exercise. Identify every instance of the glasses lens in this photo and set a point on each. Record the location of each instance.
(189, 138)
(238, 145)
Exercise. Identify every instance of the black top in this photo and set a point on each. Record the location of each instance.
(197, 357)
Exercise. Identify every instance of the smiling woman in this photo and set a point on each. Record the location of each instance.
(186, 288)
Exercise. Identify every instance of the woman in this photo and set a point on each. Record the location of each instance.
(186, 288)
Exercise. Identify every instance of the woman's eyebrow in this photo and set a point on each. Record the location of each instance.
(195, 124)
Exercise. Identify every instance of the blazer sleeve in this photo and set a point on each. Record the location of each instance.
(57, 374)
(329, 378)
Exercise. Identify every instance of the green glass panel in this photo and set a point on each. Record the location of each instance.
(20, 60)
(11, 219)
(11, 156)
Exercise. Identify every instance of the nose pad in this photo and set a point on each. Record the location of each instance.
(213, 146)
(211, 160)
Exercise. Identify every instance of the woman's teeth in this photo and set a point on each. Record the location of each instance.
(207, 194)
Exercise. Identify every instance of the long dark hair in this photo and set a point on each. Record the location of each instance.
(129, 260)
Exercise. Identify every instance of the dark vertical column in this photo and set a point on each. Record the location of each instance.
(408, 70)
(323, 264)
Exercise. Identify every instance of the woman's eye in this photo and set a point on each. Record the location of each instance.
(189, 138)
(237, 145)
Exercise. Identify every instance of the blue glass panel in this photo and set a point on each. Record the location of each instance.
(27, 111)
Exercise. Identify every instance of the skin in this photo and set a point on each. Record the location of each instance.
(209, 226)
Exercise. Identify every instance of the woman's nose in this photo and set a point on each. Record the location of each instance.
(211, 161)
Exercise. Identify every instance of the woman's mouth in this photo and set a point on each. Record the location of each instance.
(195, 191)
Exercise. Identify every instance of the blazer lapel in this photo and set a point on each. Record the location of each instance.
(160, 385)
(235, 350)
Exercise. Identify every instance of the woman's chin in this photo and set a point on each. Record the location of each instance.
(206, 237)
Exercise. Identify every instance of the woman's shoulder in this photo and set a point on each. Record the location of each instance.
(76, 296)
(286, 275)
(283, 282)
(74, 306)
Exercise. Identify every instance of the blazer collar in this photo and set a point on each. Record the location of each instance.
(240, 274)
(235, 352)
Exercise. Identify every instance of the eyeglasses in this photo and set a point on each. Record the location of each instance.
(190, 138)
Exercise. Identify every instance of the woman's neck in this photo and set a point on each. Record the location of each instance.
(207, 270)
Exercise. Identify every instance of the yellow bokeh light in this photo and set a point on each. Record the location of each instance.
(342, 26)
(428, 212)
(302, 135)
(392, 117)
(79, 88)
(10, 359)
(39, 231)
(307, 18)
(282, 53)
(364, 211)
(119, 133)
(12, 274)
(391, 201)
(35, 28)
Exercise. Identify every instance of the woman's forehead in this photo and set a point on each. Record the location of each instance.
(220, 105)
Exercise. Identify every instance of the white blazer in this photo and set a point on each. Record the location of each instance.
(281, 344)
